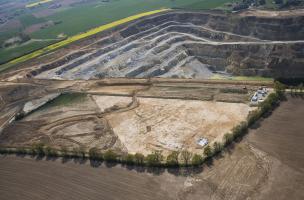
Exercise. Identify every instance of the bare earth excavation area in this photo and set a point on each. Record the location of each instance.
(175, 124)
(133, 119)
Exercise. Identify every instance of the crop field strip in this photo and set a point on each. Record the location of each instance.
(37, 3)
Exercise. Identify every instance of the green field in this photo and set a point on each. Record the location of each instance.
(65, 100)
(28, 20)
(208, 4)
(82, 17)
(76, 20)
(24, 49)
(77, 37)
(271, 5)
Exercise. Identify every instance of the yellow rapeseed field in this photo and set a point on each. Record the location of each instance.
(79, 37)
(37, 3)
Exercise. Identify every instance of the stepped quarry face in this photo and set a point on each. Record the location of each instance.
(183, 44)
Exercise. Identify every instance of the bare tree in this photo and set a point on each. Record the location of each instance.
(186, 156)
(155, 158)
(139, 158)
(64, 151)
(208, 151)
(301, 88)
(197, 160)
(172, 159)
(95, 154)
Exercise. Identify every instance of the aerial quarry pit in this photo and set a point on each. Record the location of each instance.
(175, 81)
(181, 44)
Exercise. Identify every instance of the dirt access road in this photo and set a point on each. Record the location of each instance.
(267, 164)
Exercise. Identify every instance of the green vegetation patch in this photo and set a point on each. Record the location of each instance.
(66, 100)
(7, 34)
(208, 4)
(28, 20)
(233, 90)
(13, 52)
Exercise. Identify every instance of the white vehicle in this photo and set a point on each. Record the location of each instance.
(202, 142)
(254, 98)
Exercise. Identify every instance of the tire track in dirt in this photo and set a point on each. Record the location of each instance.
(53, 129)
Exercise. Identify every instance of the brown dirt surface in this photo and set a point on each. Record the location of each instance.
(259, 167)
(84, 123)
(54, 180)
(283, 133)
(175, 124)
(266, 164)
(281, 136)
(125, 124)
(72, 125)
